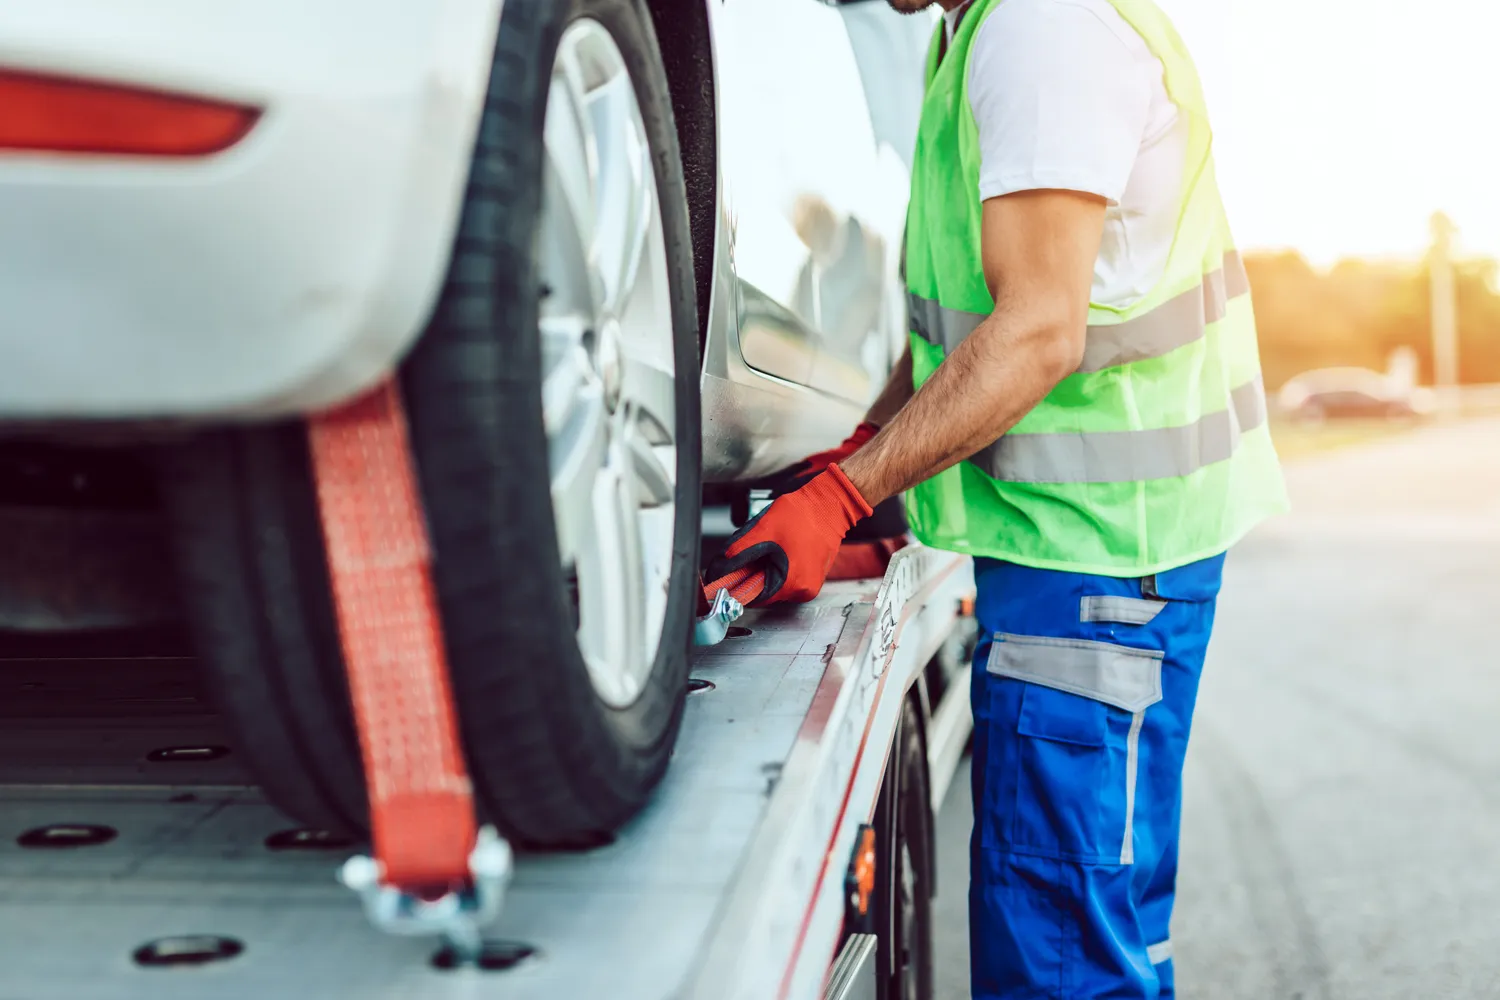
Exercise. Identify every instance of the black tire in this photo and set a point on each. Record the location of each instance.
(255, 585)
(552, 763)
(904, 909)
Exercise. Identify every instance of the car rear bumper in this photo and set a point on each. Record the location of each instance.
(278, 276)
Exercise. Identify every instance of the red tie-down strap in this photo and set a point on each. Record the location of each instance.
(421, 800)
(865, 560)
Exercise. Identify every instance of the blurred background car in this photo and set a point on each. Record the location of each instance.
(1350, 394)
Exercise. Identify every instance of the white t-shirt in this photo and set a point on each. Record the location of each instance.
(1068, 96)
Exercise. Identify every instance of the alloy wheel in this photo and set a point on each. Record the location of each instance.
(608, 373)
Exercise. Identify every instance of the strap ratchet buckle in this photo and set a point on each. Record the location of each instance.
(456, 916)
(710, 629)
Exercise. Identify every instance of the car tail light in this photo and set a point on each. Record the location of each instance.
(60, 115)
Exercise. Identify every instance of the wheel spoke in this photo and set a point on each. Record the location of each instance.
(577, 453)
(566, 368)
(567, 276)
(653, 463)
(569, 187)
(626, 189)
(650, 390)
(610, 592)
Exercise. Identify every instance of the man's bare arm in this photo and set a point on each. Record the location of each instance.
(896, 394)
(1039, 249)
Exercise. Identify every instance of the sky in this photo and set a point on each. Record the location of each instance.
(1341, 125)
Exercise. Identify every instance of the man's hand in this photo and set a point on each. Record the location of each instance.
(785, 553)
(1039, 249)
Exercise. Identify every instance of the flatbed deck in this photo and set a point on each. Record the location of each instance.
(720, 889)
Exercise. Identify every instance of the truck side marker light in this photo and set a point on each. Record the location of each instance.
(860, 883)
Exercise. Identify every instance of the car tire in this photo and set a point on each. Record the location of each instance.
(255, 588)
(905, 869)
(554, 762)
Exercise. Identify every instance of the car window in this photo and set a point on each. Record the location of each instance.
(816, 207)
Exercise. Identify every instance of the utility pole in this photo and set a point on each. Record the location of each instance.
(1444, 310)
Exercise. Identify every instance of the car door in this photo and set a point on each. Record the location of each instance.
(816, 202)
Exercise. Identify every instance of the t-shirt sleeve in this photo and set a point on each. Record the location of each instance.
(1061, 99)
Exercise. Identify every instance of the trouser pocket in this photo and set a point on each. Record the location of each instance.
(1065, 719)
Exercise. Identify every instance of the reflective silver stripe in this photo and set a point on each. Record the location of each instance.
(1127, 456)
(1179, 321)
(1122, 610)
(1159, 952)
(1104, 671)
(940, 325)
(1132, 759)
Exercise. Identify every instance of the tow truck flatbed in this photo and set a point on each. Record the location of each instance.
(728, 886)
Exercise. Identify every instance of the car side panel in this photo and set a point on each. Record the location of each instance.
(279, 276)
(812, 209)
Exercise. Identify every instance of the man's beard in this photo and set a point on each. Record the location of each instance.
(910, 6)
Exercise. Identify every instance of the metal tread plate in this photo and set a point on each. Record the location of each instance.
(630, 920)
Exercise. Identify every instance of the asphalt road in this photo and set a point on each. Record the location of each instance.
(1341, 831)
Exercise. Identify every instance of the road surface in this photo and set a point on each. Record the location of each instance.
(1341, 832)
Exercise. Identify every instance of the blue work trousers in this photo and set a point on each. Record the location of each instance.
(1083, 691)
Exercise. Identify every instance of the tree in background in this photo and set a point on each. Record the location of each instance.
(1357, 312)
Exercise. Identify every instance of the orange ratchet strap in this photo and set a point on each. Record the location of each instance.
(421, 800)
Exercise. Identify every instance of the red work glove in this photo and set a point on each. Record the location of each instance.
(784, 554)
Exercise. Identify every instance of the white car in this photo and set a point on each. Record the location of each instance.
(614, 253)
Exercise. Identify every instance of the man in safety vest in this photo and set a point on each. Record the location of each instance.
(1081, 410)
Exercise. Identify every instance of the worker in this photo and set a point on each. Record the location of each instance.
(1081, 410)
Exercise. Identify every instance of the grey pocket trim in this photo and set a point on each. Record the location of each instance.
(1126, 678)
(1119, 610)
(1132, 767)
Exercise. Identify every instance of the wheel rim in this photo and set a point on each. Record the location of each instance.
(608, 368)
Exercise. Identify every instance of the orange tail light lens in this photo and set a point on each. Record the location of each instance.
(60, 115)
